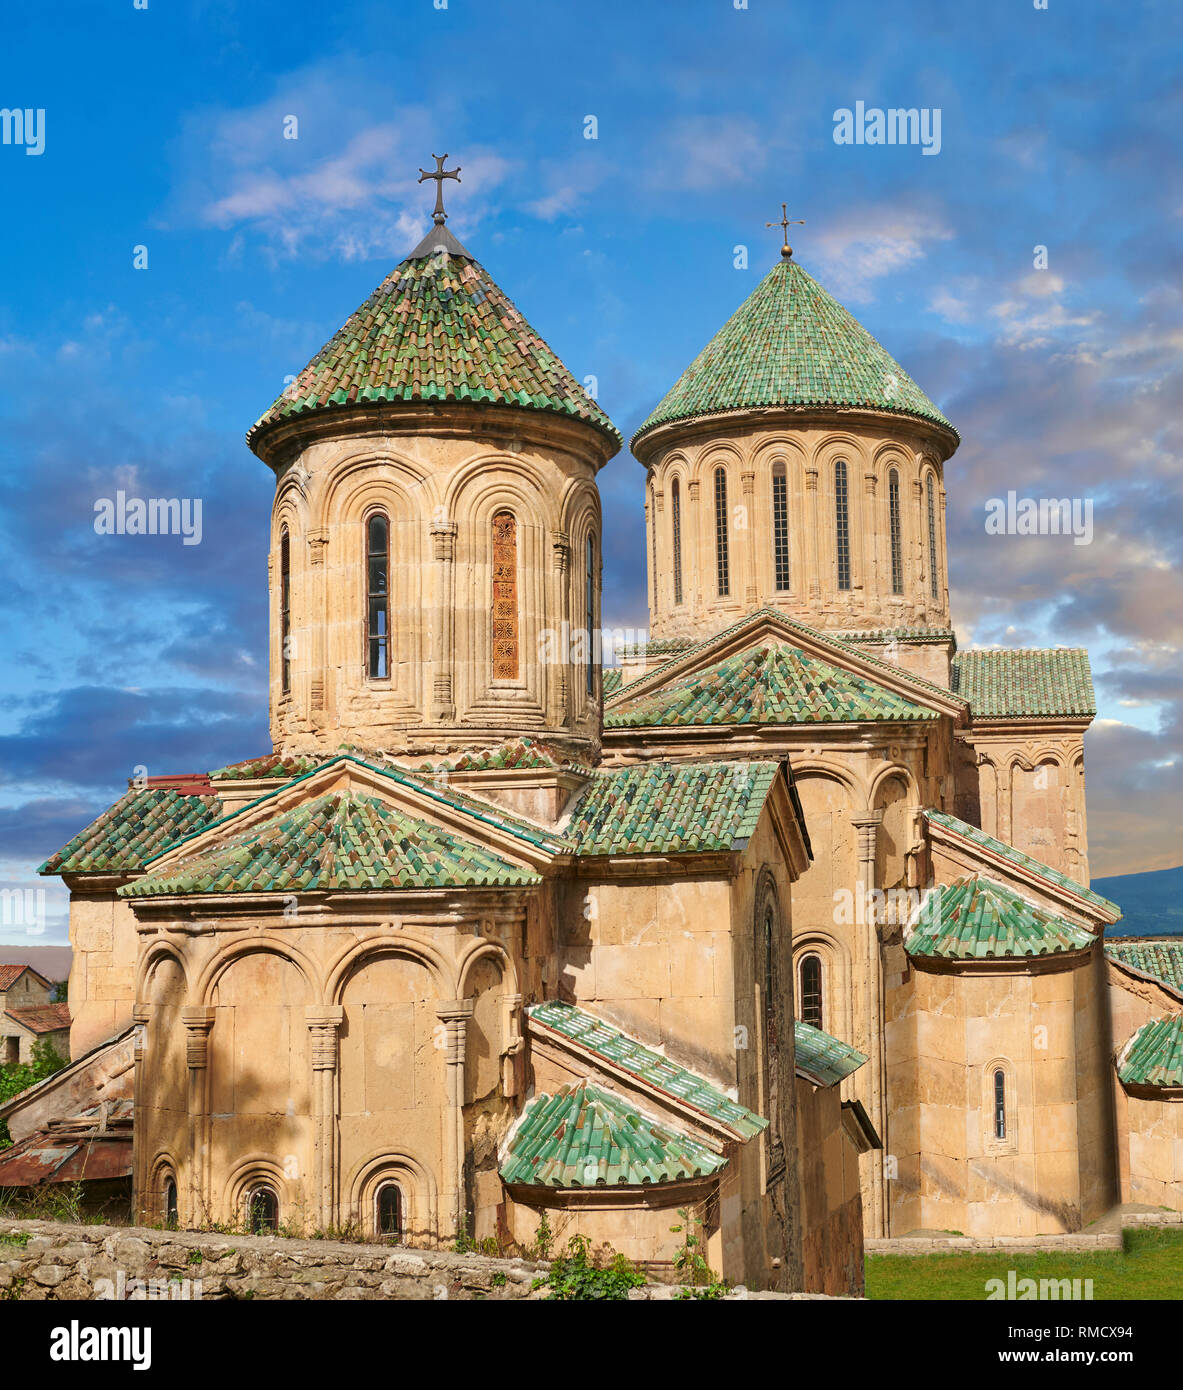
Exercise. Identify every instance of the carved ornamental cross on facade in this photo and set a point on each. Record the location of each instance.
(439, 175)
(785, 223)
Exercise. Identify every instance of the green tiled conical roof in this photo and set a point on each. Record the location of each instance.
(438, 328)
(790, 343)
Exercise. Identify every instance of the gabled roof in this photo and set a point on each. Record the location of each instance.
(1161, 959)
(611, 678)
(41, 1018)
(139, 826)
(438, 328)
(976, 919)
(9, 974)
(771, 683)
(342, 841)
(791, 344)
(635, 1062)
(670, 808)
(1154, 1055)
(1026, 684)
(964, 831)
(584, 1136)
(822, 1059)
(771, 624)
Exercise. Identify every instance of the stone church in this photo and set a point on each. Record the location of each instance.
(785, 920)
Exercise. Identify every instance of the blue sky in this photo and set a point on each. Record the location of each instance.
(164, 129)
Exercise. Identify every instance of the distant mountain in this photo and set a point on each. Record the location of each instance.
(1152, 903)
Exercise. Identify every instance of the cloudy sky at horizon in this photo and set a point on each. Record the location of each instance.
(164, 128)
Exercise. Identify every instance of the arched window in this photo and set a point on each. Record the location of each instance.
(285, 609)
(934, 578)
(262, 1211)
(722, 563)
(811, 989)
(170, 1201)
(590, 614)
(388, 1211)
(676, 520)
(897, 554)
(378, 595)
(780, 525)
(505, 597)
(842, 524)
(1000, 1104)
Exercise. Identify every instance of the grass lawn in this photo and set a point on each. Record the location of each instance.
(1150, 1266)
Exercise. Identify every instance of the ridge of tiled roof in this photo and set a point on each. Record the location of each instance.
(791, 344)
(438, 328)
(611, 678)
(584, 1136)
(915, 635)
(821, 1058)
(837, 645)
(528, 753)
(269, 765)
(642, 1064)
(1154, 1055)
(341, 841)
(136, 828)
(1161, 958)
(41, 1018)
(769, 683)
(978, 919)
(1025, 683)
(1017, 857)
(670, 808)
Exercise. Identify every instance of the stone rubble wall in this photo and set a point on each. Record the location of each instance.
(46, 1260)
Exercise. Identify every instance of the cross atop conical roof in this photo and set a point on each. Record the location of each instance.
(438, 328)
(791, 344)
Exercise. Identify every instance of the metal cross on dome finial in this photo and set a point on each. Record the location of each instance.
(785, 222)
(440, 174)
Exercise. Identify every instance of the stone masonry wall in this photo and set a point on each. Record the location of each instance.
(45, 1260)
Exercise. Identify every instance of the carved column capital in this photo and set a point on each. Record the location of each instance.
(748, 483)
(317, 541)
(811, 472)
(323, 1020)
(692, 489)
(443, 541)
(198, 1020)
(870, 483)
(561, 544)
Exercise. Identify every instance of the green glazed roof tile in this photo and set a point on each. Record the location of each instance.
(584, 1136)
(342, 841)
(270, 765)
(611, 678)
(139, 826)
(821, 1058)
(1154, 1055)
(670, 808)
(790, 343)
(513, 753)
(438, 328)
(977, 919)
(772, 683)
(1025, 683)
(610, 1045)
(1162, 959)
(1016, 856)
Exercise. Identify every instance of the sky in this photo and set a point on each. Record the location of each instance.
(171, 257)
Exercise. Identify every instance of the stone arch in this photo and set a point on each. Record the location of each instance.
(837, 986)
(992, 1144)
(261, 1169)
(893, 795)
(829, 796)
(155, 952)
(404, 944)
(480, 485)
(217, 966)
(352, 480)
(417, 1185)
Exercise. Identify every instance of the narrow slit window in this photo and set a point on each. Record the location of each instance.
(170, 1203)
(842, 524)
(389, 1211)
(505, 597)
(811, 990)
(262, 1212)
(676, 517)
(934, 578)
(897, 553)
(653, 544)
(780, 525)
(378, 596)
(722, 558)
(590, 614)
(285, 610)
(1000, 1104)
